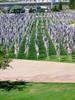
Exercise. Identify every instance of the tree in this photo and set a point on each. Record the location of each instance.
(72, 4)
(57, 7)
(4, 60)
(60, 5)
(17, 9)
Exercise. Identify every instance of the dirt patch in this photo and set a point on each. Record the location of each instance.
(39, 71)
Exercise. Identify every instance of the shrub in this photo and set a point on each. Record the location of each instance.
(32, 51)
(42, 51)
(52, 50)
(11, 53)
(21, 54)
(62, 50)
(4, 59)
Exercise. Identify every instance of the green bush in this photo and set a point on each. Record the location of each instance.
(17, 9)
(42, 51)
(60, 5)
(62, 50)
(52, 50)
(21, 54)
(72, 4)
(73, 55)
(57, 7)
(32, 52)
(4, 59)
(11, 53)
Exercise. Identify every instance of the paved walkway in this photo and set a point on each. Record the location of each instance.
(39, 71)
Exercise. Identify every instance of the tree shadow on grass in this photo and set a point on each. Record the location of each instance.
(8, 85)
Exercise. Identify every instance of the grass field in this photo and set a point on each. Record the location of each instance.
(63, 57)
(39, 91)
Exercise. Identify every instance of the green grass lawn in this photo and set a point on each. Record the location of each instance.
(40, 91)
(63, 58)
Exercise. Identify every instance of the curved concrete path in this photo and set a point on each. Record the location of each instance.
(39, 71)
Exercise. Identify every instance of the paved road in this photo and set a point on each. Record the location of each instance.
(28, 3)
(39, 71)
